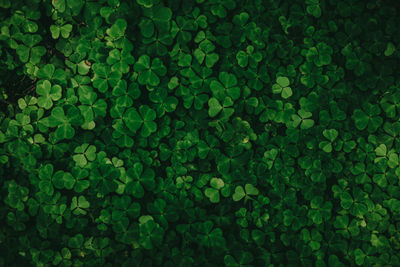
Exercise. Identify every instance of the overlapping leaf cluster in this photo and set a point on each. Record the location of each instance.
(199, 133)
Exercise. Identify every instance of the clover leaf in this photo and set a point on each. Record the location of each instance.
(151, 233)
(214, 107)
(162, 133)
(51, 73)
(45, 176)
(226, 86)
(64, 30)
(205, 51)
(249, 56)
(81, 181)
(368, 117)
(29, 51)
(143, 119)
(347, 228)
(142, 178)
(320, 211)
(282, 87)
(91, 107)
(83, 154)
(65, 121)
(313, 239)
(47, 93)
(320, 55)
(213, 192)
(104, 77)
(209, 237)
(149, 71)
(240, 193)
(119, 60)
(302, 118)
(117, 30)
(331, 135)
(313, 8)
(79, 205)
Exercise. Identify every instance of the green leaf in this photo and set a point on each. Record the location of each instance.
(251, 190)
(286, 92)
(242, 59)
(79, 205)
(359, 256)
(214, 107)
(390, 49)
(133, 120)
(217, 183)
(330, 134)
(381, 150)
(361, 119)
(117, 30)
(283, 81)
(47, 93)
(238, 194)
(212, 194)
(83, 68)
(148, 115)
(282, 87)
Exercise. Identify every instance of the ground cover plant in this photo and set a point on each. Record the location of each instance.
(199, 133)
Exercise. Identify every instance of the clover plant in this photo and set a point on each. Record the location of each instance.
(199, 133)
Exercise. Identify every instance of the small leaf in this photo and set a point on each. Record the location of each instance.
(214, 107)
(239, 193)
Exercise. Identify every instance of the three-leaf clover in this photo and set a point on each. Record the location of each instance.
(302, 118)
(368, 117)
(141, 178)
(47, 93)
(313, 239)
(226, 86)
(117, 30)
(320, 211)
(248, 191)
(81, 181)
(29, 51)
(244, 57)
(143, 119)
(105, 76)
(64, 30)
(63, 179)
(331, 135)
(149, 71)
(64, 122)
(83, 154)
(45, 176)
(210, 237)
(320, 55)
(151, 233)
(91, 107)
(79, 205)
(205, 52)
(213, 192)
(357, 204)
(215, 107)
(345, 227)
(282, 87)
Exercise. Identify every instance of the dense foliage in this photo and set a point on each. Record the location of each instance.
(199, 133)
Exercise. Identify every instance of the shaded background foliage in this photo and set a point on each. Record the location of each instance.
(189, 133)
